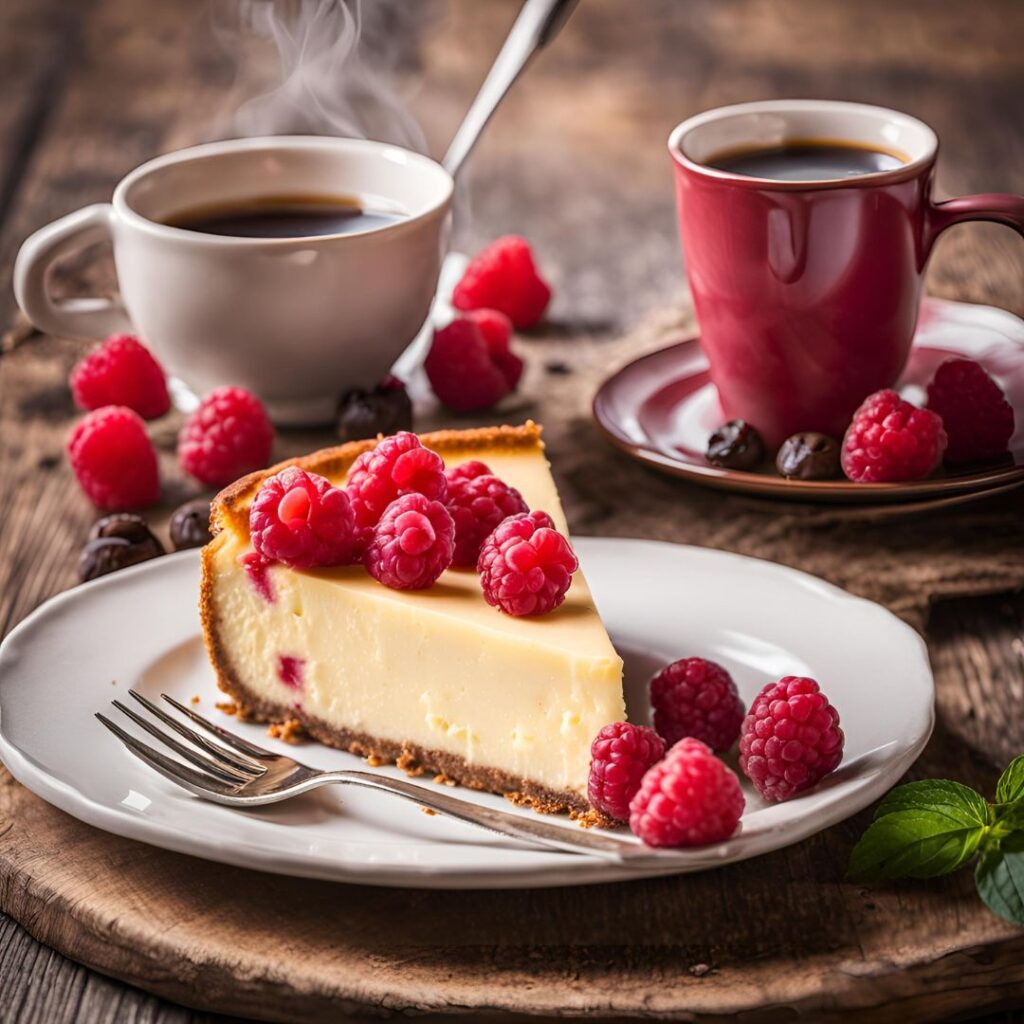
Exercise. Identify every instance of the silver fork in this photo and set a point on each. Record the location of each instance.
(230, 770)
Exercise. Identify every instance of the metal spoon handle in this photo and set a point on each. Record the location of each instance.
(537, 24)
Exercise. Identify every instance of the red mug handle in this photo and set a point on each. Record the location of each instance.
(1000, 207)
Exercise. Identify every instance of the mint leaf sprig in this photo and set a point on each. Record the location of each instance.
(931, 828)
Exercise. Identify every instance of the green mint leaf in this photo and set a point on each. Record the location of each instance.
(1000, 879)
(959, 803)
(913, 844)
(1010, 787)
(921, 829)
(1009, 818)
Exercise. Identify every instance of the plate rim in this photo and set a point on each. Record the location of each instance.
(260, 857)
(841, 492)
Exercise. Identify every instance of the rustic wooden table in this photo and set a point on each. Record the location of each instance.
(575, 161)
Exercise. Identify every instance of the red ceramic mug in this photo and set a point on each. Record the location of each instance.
(807, 292)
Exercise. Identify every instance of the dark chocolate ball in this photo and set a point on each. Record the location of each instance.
(103, 555)
(735, 445)
(115, 542)
(190, 525)
(129, 527)
(809, 456)
(365, 414)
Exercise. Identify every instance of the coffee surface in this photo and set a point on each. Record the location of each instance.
(806, 161)
(291, 216)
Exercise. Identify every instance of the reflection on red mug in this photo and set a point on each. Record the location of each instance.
(807, 291)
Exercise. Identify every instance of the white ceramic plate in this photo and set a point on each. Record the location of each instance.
(139, 628)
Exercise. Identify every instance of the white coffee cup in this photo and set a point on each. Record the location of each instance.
(298, 321)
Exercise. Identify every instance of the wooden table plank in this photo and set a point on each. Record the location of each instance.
(37, 984)
(38, 40)
(576, 161)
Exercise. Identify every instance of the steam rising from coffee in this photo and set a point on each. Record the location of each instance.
(334, 61)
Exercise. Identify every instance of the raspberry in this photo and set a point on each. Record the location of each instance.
(467, 471)
(688, 799)
(496, 329)
(300, 519)
(257, 568)
(891, 440)
(397, 465)
(790, 739)
(114, 460)
(477, 505)
(121, 371)
(291, 670)
(504, 277)
(695, 697)
(412, 544)
(619, 756)
(526, 565)
(462, 370)
(227, 436)
(978, 419)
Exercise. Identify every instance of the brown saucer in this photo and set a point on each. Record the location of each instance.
(661, 408)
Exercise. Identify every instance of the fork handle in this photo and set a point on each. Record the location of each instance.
(528, 829)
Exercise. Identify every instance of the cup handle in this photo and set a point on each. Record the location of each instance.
(995, 206)
(73, 318)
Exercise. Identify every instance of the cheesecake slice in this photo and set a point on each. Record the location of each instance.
(435, 680)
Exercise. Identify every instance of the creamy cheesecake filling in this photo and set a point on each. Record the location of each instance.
(437, 669)
(432, 671)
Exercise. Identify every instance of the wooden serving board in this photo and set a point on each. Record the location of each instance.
(754, 941)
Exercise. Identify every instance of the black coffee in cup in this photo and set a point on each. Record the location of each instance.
(807, 160)
(284, 216)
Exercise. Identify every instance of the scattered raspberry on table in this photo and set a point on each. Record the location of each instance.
(468, 370)
(478, 504)
(978, 419)
(302, 520)
(121, 371)
(889, 440)
(412, 543)
(227, 436)
(619, 757)
(790, 739)
(526, 565)
(504, 276)
(689, 798)
(496, 329)
(696, 697)
(114, 460)
(396, 465)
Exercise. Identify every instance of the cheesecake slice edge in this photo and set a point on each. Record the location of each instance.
(578, 692)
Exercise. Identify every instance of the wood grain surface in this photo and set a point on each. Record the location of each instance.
(575, 160)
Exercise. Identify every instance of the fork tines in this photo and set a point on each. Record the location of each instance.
(225, 764)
